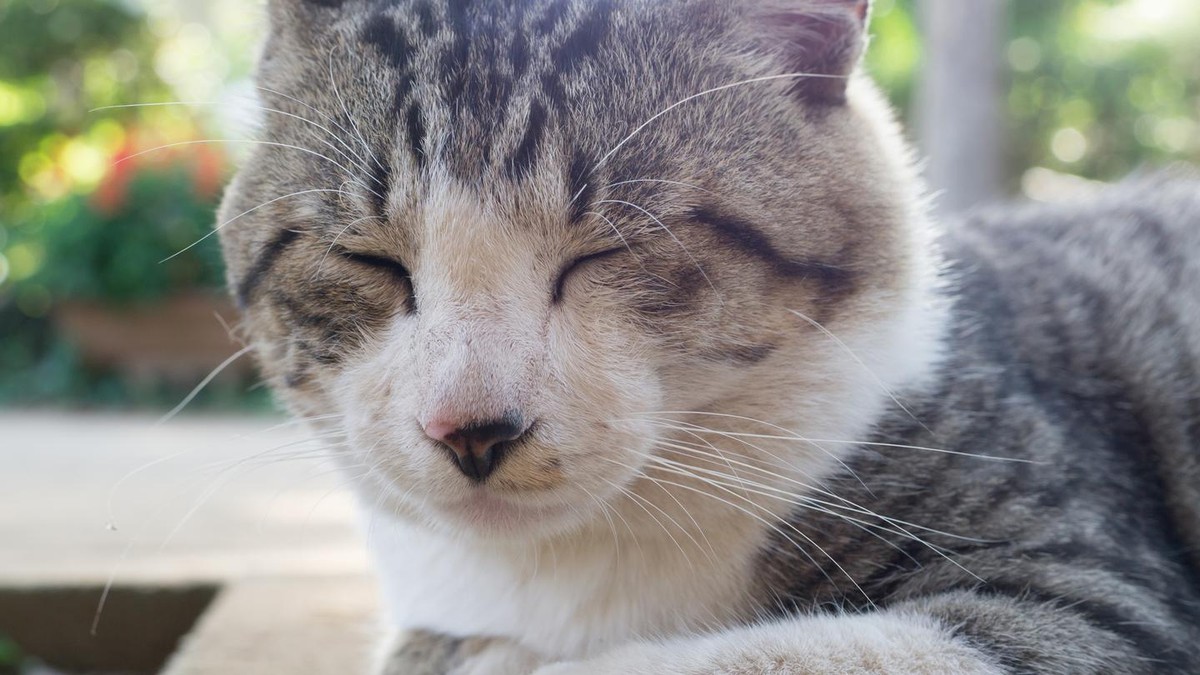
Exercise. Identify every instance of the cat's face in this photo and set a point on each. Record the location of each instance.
(500, 250)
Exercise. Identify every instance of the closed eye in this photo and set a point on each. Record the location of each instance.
(575, 265)
(389, 265)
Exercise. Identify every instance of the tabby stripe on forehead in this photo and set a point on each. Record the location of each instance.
(585, 40)
(552, 18)
(454, 60)
(381, 175)
(382, 33)
(527, 151)
(834, 280)
(518, 53)
(416, 133)
(582, 186)
(267, 256)
(426, 19)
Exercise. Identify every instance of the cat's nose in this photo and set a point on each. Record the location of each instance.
(478, 447)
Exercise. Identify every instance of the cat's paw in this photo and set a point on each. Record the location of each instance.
(425, 653)
(494, 656)
(629, 660)
(417, 653)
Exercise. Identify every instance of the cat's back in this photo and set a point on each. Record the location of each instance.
(1099, 299)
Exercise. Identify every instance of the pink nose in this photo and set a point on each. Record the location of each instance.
(477, 447)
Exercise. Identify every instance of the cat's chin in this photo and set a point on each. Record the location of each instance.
(482, 513)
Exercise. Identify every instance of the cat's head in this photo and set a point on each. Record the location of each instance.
(499, 248)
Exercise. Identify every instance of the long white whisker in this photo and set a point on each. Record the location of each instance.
(793, 436)
(333, 243)
(695, 430)
(863, 364)
(819, 505)
(764, 521)
(204, 383)
(342, 102)
(251, 141)
(672, 235)
(634, 499)
(801, 502)
(706, 92)
(614, 228)
(657, 180)
(243, 214)
(845, 503)
(356, 160)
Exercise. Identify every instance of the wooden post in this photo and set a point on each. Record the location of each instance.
(960, 101)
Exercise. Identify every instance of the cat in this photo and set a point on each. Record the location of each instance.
(629, 327)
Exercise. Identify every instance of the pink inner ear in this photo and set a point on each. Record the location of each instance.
(860, 9)
(823, 37)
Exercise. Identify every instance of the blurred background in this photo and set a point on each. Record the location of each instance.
(120, 121)
(99, 308)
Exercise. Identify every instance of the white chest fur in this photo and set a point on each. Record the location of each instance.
(567, 599)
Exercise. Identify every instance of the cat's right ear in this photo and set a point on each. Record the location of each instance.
(301, 15)
(823, 38)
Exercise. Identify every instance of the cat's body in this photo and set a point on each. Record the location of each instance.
(638, 350)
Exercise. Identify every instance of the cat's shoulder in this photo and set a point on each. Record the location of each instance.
(1150, 217)
(1102, 287)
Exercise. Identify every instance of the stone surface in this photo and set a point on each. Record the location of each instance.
(194, 499)
(243, 505)
(271, 626)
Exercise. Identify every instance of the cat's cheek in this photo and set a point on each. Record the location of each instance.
(373, 398)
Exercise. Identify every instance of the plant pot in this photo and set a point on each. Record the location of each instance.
(180, 339)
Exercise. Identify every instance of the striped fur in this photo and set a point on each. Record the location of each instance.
(773, 429)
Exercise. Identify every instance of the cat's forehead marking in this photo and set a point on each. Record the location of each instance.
(491, 76)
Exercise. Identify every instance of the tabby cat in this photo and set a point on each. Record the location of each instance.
(627, 323)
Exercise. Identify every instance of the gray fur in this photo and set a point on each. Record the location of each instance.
(1075, 349)
(1074, 345)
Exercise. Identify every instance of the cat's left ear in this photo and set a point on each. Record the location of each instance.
(823, 38)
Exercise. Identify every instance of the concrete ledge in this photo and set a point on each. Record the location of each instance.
(298, 626)
(236, 511)
(138, 630)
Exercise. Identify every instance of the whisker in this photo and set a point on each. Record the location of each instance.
(333, 243)
(804, 503)
(846, 504)
(203, 383)
(342, 102)
(863, 364)
(753, 80)
(796, 437)
(764, 521)
(327, 117)
(658, 180)
(247, 212)
(605, 510)
(634, 499)
(356, 160)
(615, 230)
(672, 235)
(694, 430)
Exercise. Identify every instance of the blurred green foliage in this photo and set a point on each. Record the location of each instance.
(80, 217)
(117, 251)
(1095, 88)
(10, 656)
(1100, 88)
